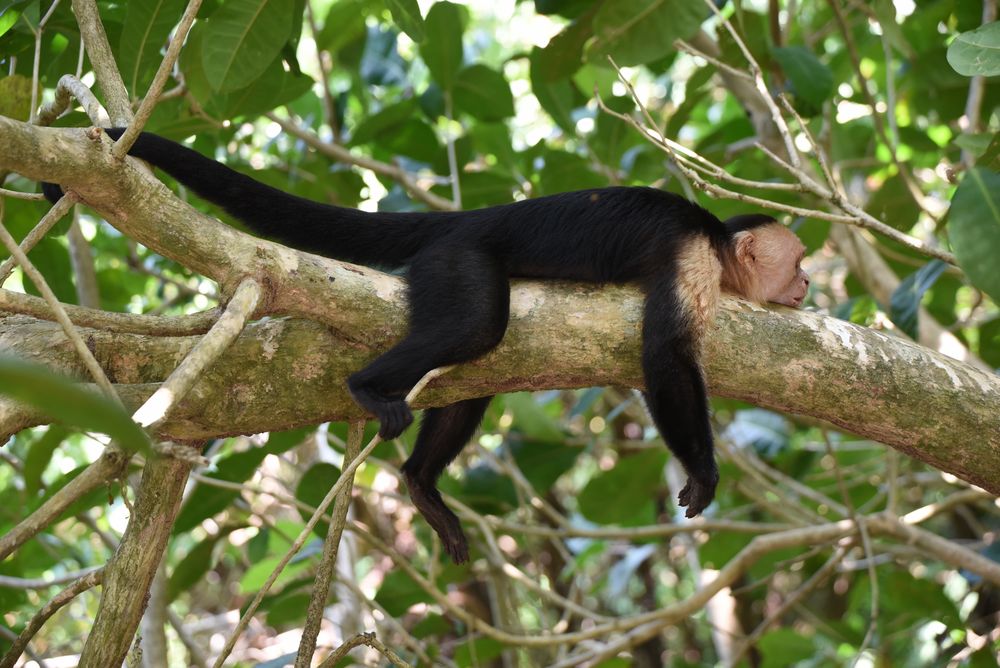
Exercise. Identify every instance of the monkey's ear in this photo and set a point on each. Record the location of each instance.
(745, 248)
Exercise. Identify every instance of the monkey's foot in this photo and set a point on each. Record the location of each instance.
(394, 415)
(697, 494)
(444, 522)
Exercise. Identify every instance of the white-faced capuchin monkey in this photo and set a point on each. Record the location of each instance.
(458, 267)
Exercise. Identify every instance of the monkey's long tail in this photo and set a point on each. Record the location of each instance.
(343, 233)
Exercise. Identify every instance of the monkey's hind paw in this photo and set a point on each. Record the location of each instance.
(455, 545)
(394, 415)
(696, 496)
(394, 418)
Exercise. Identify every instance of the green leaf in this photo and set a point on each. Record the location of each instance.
(634, 32)
(384, 122)
(147, 25)
(481, 189)
(785, 647)
(70, 402)
(314, 486)
(345, 22)
(406, 14)
(192, 567)
(8, 17)
(565, 171)
(442, 51)
(977, 52)
(542, 462)
(811, 80)
(483, 93)
(904, 305)
(242, 39)
(15, 97)
(563, 55)
(415, 139)
(974, 228)
(558, 98)
(398, 592)
(530, 419)
(51, 258)
(619, 494)
(40, 455)
(207, 500)
(991, 156)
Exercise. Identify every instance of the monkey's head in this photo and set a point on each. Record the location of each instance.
(765, 262)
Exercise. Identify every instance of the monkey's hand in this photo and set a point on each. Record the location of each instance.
(699, 492)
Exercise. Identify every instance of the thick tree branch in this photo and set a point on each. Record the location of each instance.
(934, 408)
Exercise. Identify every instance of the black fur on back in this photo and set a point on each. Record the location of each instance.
(601, 234)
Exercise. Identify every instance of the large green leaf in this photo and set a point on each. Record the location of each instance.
(442, 50)
(640, 31)
(15, 97)
(406, 14)
(147, 25)
(977, 52)
(811, 80)
(483, 93)
(558, 98)
(70, 402)
(563, 55)
(619, 494)
(242, 39)
(974, 228)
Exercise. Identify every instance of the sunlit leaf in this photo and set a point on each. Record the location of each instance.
(242, 39)
(483, 93)
(640, 31)
(15, 97)
(147, 25)
(406, 14)
(974, 228)
(977, 52)
(442, 50)
(618, 495)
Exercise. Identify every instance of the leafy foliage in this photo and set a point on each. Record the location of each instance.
(498, 100)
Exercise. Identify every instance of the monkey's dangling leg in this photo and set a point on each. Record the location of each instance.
(443, 434)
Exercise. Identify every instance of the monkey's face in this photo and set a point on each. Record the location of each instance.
(778, 262)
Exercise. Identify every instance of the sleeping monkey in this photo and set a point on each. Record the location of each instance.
(458, 266)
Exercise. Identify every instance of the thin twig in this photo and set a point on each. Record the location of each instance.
(341, 154)
(93, 366)
(102, 58)
(17, 194)
(328, 562)
(48, 221)
(88, 581)
(363, 639)
(205, 352)
(342, 484)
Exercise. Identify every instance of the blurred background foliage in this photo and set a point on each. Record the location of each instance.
(489, 102)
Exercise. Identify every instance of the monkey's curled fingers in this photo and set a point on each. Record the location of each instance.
(696, 496)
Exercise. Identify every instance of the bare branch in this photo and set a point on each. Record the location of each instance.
(209, 348)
